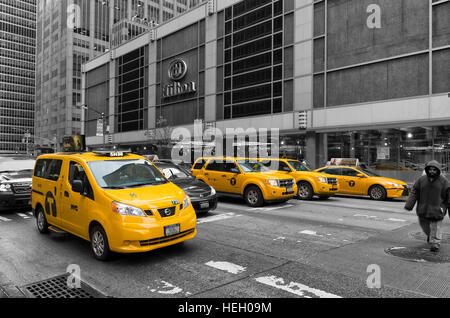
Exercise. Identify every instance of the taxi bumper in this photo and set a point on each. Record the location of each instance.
(150, 235)
(397, 192)
(327, 189)
(276, 193)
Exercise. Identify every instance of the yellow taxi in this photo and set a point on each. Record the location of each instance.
(246, 178)
(309, 183)
(359, 181)
(118, 201)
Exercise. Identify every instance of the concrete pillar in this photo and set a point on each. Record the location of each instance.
(316, 149)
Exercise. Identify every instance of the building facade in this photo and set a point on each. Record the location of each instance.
(372, 78)
(17, 74)
(69, 33)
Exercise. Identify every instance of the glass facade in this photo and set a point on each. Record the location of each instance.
(255, 49)
(17, 74)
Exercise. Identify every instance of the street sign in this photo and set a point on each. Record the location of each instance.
(100, 127)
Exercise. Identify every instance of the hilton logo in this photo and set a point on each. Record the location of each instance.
(177, 71)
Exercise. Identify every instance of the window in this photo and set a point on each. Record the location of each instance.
(76, 172)
(41, 167)
(332, 171)
(54, 170)
(350, 172)
(199, 164)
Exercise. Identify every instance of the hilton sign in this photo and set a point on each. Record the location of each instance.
(177, 71)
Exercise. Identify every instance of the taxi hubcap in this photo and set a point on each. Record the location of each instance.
(252, 197)
(377, 193)
(41, 220)
(98, 243)
(303, 191)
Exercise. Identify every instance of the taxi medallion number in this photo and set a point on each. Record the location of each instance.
(172, 230)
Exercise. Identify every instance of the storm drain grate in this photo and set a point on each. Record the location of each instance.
(422, 237)
(57, 287)
(419, 254)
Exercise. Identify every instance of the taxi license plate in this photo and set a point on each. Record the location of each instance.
(204, 205)
(172, 230)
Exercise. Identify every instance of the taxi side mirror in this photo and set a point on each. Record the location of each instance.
(77, 186)
(235, 170)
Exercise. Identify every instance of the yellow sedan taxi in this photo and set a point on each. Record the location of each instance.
(119, 202)
(358, 181)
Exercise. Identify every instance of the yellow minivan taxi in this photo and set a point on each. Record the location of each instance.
(246, 178)
(119, 202)
(358, 181)
(309, 183)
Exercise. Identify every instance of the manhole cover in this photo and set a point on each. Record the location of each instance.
(422, 237)
(57, 288)
(418, 254)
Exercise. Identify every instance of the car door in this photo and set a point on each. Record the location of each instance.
(352, 184)
(230, 179)
(48, 183)
(76, 206)
(213, 174)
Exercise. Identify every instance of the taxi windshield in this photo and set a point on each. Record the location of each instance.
(249, 166)
(298, 166)
(123, 174)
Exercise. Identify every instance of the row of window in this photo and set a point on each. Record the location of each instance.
(16, 80)
(16, 113)
(17, 47)
(17, 72)
(13, 16)
(16, 55)
(15, 29)
(17, 39)
(25, 5)
(15, 96)
(14, 88)
(16, 105)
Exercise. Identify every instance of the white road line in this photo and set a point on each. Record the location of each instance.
(396, 220)
(4, 219)
(269, 209)
(23, 215)
(166, 288)
(216, 218)
(227, 267)
(308, 232)
(294, 288)
(30, 214)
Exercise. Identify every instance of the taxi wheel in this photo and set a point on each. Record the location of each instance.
(377, 193)
(305, 191)
(253, 197)
(99, 243)
(41, 221)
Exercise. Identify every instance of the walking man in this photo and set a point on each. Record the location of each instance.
(432, 194)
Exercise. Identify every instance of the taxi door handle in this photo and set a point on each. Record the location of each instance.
(224, 176)
(66, 193)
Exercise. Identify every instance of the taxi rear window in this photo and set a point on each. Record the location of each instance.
(199, 164)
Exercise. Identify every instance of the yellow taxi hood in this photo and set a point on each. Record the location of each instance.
(383, 179)
(160, 196)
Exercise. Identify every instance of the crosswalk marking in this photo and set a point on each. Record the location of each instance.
(23, 215)
(4, 219)
(216, 218)
(294, 288)
(227, 267)
(270, 209)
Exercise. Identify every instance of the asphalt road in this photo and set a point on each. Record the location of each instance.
(319, 248)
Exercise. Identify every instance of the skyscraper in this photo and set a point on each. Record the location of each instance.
(69, 33)
(17, 72)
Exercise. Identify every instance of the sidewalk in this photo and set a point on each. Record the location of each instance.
(419, 276)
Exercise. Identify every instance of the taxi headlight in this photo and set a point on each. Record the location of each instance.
(395, 184)
(127, 210)
(322, 179)
(5, 187)
(272, 182)
(186, 202)
(213, 191)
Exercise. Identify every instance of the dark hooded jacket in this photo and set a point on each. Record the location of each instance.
(432, 195)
